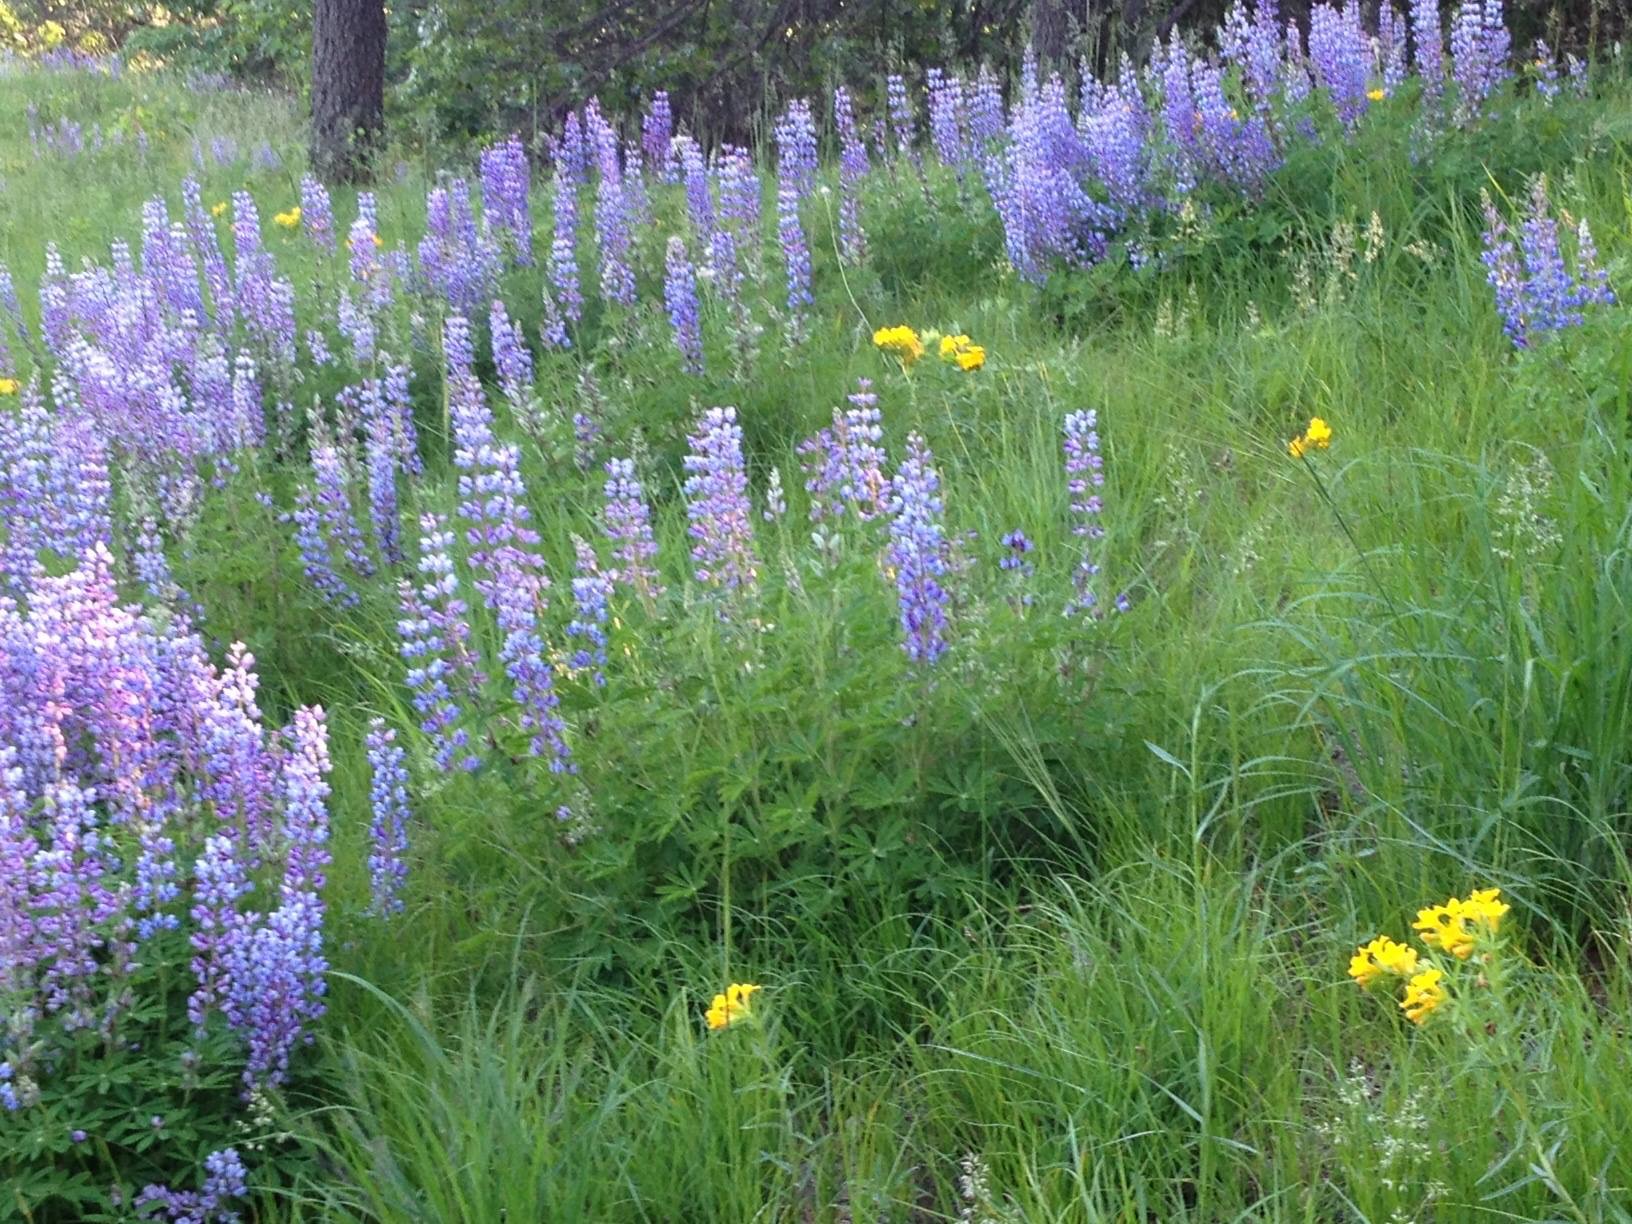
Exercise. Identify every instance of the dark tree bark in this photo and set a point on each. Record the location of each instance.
(348, 85)
(1049, 31)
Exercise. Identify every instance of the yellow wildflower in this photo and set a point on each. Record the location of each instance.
(902, 342)
(728, 1008)
(10, 386)
(1423, 994)
(288, 219)
(1484, 908)
(962, 352)
(1382, 955)
(1377, 95)
(1317, 437)
(1442, 927)
(218, 208)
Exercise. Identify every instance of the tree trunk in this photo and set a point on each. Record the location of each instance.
(1049, 30)
(348, 85)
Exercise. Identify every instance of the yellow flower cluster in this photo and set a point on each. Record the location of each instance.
(288, 219)
(219, 207)
(1457, 925)
(728, 1008)
(1423, 993)
(1377, 95)
(1317, 437)
(1382, 955)
(902, 342)
(10, 386)
(963, 353)
(1457, 928)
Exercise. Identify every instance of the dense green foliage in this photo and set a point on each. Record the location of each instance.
(1077, 912)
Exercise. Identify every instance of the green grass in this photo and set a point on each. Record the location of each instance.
(1081, 909)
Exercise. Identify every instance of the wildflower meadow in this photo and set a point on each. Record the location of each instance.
(988, 646)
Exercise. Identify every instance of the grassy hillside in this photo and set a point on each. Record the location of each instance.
(1056, 928)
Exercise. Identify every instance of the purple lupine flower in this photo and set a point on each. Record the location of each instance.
(207, 241)
(382, 448)
(1480, 47)
(716, 492)
(75, 903)
(317, 213)
(739, 189)
(585, 435)
(18, 945)
(168, 265)
(388, 829)
(853, 169)
(1016, 546)
(627, 522)
(434, 643)
(844, 465)
(265, 299)
(1253, 43)
(638, 205)
(357, 325)
(312, 541)
(1239, 151)
(680, 300)
(332, 481)
(795, 134)
(591, 589)
(305, 804)
(225, 1179)
(1085, 476)
(656, 134)
(986, 119)
(612, 216)
(506, 182)
(1391, 46)
(552, 328)
(563, 247)
(1428, 47)
(517, 597)
(1548, 290)
(492, 497)
(457, 260)
(1576, 70)
(1016, 564)
(699, 199)
(56, 318)
(396, 403)
(276, 966)
(573, 154)
(1178, 114)
(795, 254)
(1046, 213)
(510, 354)
(1546, 65)
(1114, 143)
(237, 770)
(946, 119)
(1340, 54)
(219, 882)
(918, 553)
(318, 346)
(903, 122)
(1592, 281)
(371, 273)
